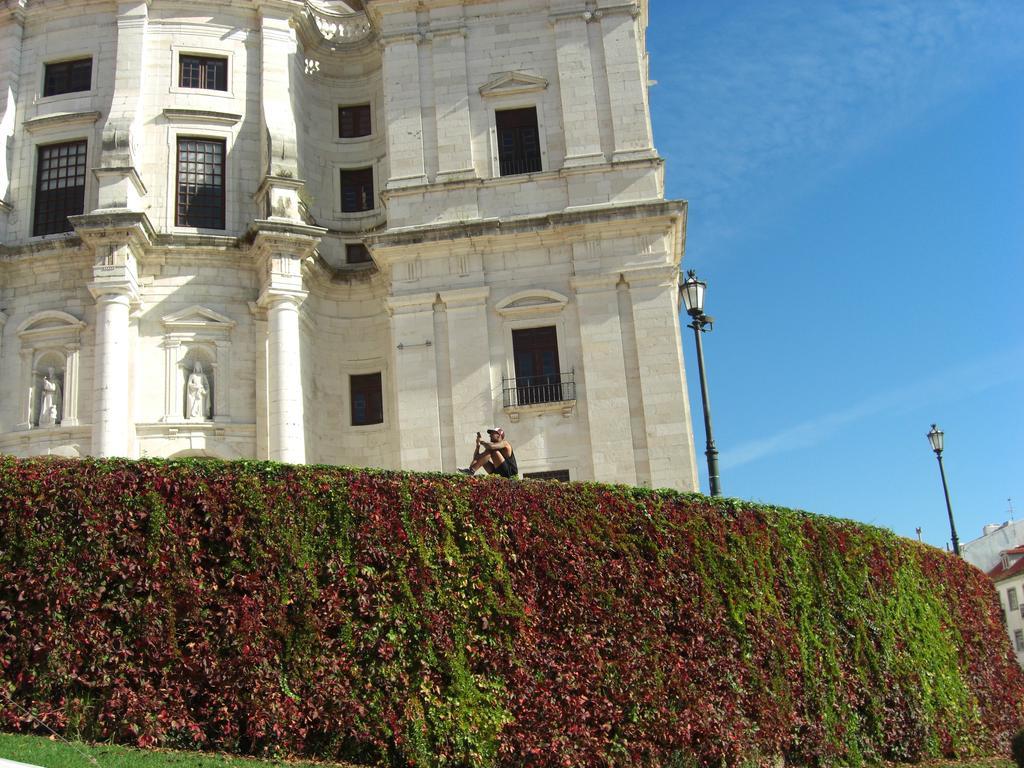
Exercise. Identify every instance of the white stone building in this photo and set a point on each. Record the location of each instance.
(340, 232)
(999, 552)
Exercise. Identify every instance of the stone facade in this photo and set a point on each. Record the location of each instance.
(468, 252)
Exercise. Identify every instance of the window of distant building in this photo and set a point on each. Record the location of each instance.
(357, 190)
(200, 183)
(367, 399)
(357, 253)
(67, 77)
(1011, 598)
(1018, 639)
(518, 141)
(207, 72)
(60, 187)
(354, 122)
(538, 374)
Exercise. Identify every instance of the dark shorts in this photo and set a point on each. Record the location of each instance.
(506, 470)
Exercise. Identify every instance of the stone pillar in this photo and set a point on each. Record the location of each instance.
(27, 389)
(174, 393)
(414, 366)
(604, 377)
(451, 95)
(284, 386)
(279, 190)
(110, 385)
(119, 240)
(279, 250)
(403, 115)
(654, 295)
(12, 20)
(71, 356)
(576, 85)
(120, 183)
(627, 80)
(469, 360)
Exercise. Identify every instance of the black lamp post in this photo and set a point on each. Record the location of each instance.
(693, 291)
(935, 438)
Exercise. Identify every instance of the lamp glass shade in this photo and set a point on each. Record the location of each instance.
(693, 295)
(935, 438)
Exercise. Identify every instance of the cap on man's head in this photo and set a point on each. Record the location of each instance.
(497, 431)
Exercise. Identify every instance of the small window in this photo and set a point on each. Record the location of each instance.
(60, 187)
(357, 190)
(538, 375)
(561, 475)
(1018, 639)
(354, 122)
(367, 400)
(209, 72)
(1011, 598)
(357, 253)
(518, 141)
(67, 77)
(200, 200)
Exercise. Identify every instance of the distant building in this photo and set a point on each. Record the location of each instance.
(1000, 553)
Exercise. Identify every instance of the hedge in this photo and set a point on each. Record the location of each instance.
(437, 620)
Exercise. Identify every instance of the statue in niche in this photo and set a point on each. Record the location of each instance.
(197, 395)
(49, 400)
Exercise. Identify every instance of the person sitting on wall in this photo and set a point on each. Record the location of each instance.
(495, 455)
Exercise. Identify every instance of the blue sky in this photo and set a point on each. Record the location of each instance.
(855, 178)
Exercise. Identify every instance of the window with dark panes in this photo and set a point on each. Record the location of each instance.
(562, 475)
(354, 122)
(538, 377)
(357, 190)
(357, 253)
(60, 187)
(200, 201)
(367, 399)
(518, 141)
(67, 77)
(209, 72)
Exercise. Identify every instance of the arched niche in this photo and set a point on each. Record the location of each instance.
(50, 350)
(197, 335)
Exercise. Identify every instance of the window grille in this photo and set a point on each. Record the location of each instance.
(207, 72)
(518, 141)
(60, 187)
(357, 190)
(67, 77)
(200, 200)
(354, 122)
(561, 475)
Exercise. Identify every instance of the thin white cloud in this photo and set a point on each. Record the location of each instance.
(963, 381)
(815, 83)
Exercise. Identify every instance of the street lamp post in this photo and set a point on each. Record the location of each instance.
(935, 437)
(693, 291)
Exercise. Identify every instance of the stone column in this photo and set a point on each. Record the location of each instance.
(414, 366)
(604, 377)
(71, 356)
(469, 360)
(26, 388)
(654, 295)
(576, 85)
(119, 240)
(281, 183)
(279, 250)
(627, 81)
(12, 20)
(284, 388)
(451, 95)
(403, 115)
(120, 183)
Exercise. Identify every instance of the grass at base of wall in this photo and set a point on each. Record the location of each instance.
(52, 753)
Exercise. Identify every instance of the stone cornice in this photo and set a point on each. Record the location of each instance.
(60, 120)
(203, 116)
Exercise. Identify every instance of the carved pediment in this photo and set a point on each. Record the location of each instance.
(532, 302)
(197, 317)
(50, 324)
(513, 83)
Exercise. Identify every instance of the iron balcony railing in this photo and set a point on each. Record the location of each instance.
(534, 390)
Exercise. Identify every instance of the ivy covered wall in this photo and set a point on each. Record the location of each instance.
(433, 620)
